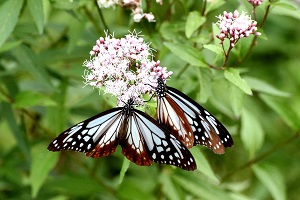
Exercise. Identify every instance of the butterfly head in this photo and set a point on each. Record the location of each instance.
(128, 107)
(161, 88)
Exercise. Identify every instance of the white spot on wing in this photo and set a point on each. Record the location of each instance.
(86, 138)
(154, 156)
(69, 140)
(159, 149)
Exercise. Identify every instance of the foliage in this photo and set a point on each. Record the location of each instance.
(253, 91)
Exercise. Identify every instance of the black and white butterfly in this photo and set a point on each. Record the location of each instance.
(142, 139)
(188, 121)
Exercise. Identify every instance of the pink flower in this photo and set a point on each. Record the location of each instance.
(124, 67)
(134, 5)
(255, 2)
(234, 26)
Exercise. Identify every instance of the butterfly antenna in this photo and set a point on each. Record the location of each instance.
(150, 97)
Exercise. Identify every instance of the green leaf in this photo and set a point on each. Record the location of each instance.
(29, 98)
(75, 185)
(215, 31)
(214, 48)
(286, 5)
(27, 59)
(236, 99)
(262, 86)
(9, 12)
(203, 165)
(252, 134)
(76, 29)
(201, 188)
(57, 117)
(272, 179)
(66, 4)
(37, 11)
(187, 53)
(168, 187)
(171, 31)
(9, 45)
(213, 5)
(18, 133)
(42, 162)
(124, 169)
(193, 22)
(205, 84)
(233, 75)
(286, 8)
(279, 105)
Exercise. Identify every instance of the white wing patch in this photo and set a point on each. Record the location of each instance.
(163, 147)
(85, 135)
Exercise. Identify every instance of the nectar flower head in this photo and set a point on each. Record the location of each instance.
(107, 3)
(134, 5)
(234, 26)
(255, 2)
(124, 67)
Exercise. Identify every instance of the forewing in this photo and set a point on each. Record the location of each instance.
(85, 136)
(207, 129)
(171, 116)
(133, 145)
(162, 147)
(108, 141)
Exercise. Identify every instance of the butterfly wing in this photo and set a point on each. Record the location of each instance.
(208, 131)
(133, 145)
(96, 136)
(161, 147)
(169, 114)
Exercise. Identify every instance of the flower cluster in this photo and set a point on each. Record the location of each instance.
(235, 26)
(124, 67)
(134, 5)
(255, 2)
(107, 3)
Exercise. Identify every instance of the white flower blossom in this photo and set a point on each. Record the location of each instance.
(124, 67)
(107, 3)
(234, 26)
(134, 5)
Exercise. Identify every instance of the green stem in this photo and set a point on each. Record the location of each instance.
(262, 156)
(255, 37)
(266, 15)
(204, 7)
(182, 71)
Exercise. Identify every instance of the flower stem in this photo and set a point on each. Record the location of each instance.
(204, 7)
(226, 55)
(93, 20)
(254, 13)
(255, 37)
(101, 16)
(266, 15)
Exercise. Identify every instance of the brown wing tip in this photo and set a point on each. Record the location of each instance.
(99, 151)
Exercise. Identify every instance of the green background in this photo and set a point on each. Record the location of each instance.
(43, 44)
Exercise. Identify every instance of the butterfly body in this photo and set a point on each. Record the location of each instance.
(175, 109)
(142, 139)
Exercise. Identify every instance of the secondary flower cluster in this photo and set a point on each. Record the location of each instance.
(134, 5)
(124, 67)
(235, 26)
(255, 2)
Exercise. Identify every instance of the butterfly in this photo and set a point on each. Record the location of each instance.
(188, 121)
(142, 139)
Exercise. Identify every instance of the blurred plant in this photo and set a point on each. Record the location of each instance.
(43, 45)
